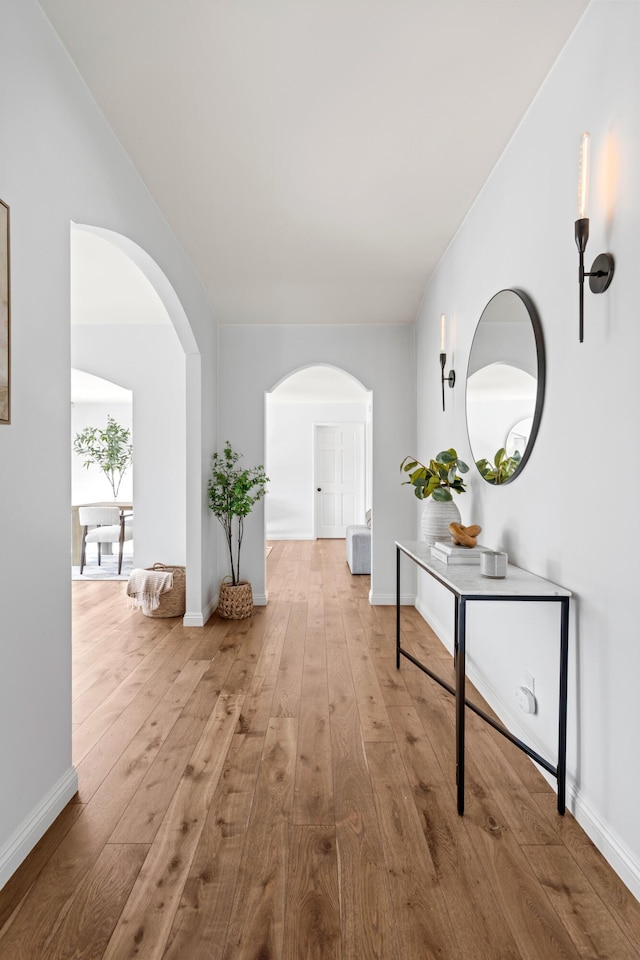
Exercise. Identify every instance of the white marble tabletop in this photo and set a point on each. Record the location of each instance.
(465, 580)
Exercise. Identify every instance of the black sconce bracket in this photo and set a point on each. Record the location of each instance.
(451, 379)
(601, 273)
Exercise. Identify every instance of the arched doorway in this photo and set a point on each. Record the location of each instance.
(129, 326)
(318, 453)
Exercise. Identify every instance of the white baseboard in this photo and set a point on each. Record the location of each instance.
(24, 839)
(201, 619)
(389, 599)
(196, 619)
(608, 843)
(612, 848)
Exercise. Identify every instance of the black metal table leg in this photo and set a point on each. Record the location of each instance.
(460, 698)
(455, 635)
(562, 718)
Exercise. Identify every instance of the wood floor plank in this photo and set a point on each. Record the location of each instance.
(313, 794)
(615, 895)
(534, 924)
(153, 711)
(140, 821)
(121, 638)
(256, 925)
(286, 698)
(518, 806)
(481, 929)
(257, 627)
(273, 641)
(421, 916)
(365, 900)
(105, 681)
(138, 693)
(41, 913)
(371, 705)
(392, 685)
(594, 931)
(312, 925)
(18, 886)
(202, 918)
(92, 916)
(257, 707)
(149, 912)
(211, 639)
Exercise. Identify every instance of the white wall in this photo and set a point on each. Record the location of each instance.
(148, 360)
(60, 163)
(568, 516)
(290, 436)
(254, 358)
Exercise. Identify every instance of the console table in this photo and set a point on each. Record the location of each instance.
(467, 585)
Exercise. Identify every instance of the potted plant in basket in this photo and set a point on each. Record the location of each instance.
(232, 493)
(109, 447)
(434, 483)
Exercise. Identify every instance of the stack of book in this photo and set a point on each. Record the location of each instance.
(450, 553)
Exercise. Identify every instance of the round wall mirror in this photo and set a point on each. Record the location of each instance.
(505, 386)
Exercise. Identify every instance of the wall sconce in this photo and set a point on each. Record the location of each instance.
(451, 379)
(601, 273)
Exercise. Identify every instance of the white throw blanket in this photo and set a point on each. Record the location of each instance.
(145, 586)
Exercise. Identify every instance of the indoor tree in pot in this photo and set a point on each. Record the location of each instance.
(232, 493)
(434, 483)
(109, 448)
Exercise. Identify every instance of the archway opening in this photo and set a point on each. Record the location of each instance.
(128, 328)
(318, 454)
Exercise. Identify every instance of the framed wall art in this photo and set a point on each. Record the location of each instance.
(5, 316)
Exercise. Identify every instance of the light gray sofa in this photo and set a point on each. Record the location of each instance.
(358, 539)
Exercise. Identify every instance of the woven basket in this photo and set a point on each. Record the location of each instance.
(235, 603)
(172, 603)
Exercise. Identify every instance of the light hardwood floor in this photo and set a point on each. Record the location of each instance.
(273, 789)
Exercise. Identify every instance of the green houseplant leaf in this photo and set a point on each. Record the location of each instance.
(502, 469)
(439, 478)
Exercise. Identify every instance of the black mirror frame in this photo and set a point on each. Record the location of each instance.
(541, 378)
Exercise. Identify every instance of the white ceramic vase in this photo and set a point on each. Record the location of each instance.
(436, 517)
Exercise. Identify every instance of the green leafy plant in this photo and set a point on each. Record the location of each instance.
(439, 478)
(502, 468)
(232, 494)
(109, 447)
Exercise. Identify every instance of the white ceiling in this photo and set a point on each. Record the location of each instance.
(314, 157)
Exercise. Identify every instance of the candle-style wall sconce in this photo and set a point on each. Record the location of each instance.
(601, 273)
(451, 378)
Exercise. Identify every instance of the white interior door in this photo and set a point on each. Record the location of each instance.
(339, 478)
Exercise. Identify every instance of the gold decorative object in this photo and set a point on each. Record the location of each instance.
(464, 536)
